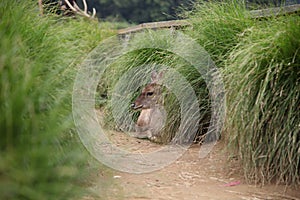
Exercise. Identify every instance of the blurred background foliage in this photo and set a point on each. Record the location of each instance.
(140, 11)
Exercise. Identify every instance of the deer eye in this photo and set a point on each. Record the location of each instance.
(149, 93)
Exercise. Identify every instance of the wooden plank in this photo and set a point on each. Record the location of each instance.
(264, 13)
(256, 14)
(154, 25)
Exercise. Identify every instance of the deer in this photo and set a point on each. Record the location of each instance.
(153, 115)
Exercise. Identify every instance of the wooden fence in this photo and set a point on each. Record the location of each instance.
(177, 24)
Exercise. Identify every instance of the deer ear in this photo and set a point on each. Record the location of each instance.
(154, 77)
(160, 75)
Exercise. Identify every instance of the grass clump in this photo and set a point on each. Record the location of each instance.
(216, 26)
(263, 85)
(144, 61)
(260, 62)
(40, 154)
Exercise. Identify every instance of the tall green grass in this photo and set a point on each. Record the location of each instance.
(151, 59)
(217, 25)
(40, 154)
(262, 123)
(263, 84)
(260, 63)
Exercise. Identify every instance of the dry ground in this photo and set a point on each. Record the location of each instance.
(187, 178)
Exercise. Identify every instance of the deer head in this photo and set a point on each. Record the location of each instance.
(151, 94)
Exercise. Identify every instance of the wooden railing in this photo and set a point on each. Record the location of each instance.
(177, 24)
(154, 25)
(264, 13)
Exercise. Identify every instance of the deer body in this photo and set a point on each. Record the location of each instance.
(153, 115)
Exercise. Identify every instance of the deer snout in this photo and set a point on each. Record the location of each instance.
(135, 107)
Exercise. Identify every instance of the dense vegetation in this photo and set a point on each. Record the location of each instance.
(40, 154)
(263, 100)
(260, 63)
(259, 60)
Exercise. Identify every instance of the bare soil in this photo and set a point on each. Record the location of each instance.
(190, 178)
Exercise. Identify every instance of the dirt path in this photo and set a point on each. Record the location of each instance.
(187, 178)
